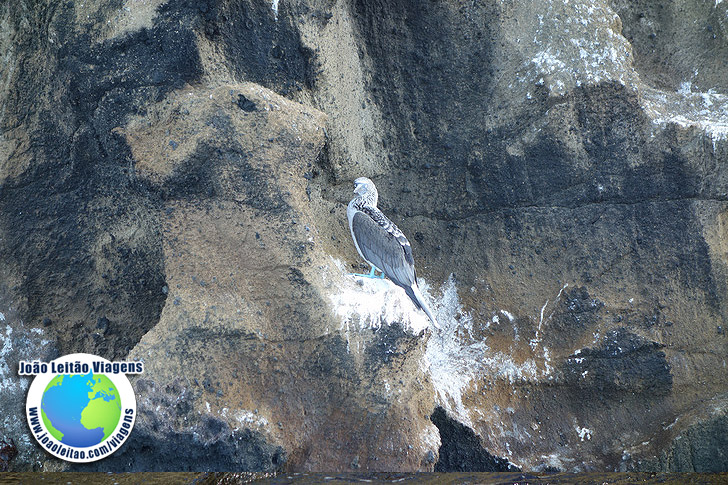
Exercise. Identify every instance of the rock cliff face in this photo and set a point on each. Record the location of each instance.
(173, 182)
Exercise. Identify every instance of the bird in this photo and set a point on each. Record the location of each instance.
(382, 245)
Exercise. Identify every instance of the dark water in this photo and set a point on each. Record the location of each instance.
(362, 478)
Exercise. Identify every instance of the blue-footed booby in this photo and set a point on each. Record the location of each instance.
(380, 242)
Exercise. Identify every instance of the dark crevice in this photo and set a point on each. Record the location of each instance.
(461, 450)
(485, 213)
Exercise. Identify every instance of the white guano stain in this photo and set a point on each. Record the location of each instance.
(593, 51)
(456, 357)
(17, 343)
(274, 7)
(447, 360)
(6, 382)
(455, 360)
(583, 433)
(370, 303)
(707, 111)
(247, 419)
(367, 303)
(535, 342)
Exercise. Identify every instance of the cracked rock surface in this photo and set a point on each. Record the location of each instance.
(173, 186)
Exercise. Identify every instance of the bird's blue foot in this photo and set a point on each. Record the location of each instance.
(371, 274)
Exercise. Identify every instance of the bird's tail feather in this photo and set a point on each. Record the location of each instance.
(416, 296)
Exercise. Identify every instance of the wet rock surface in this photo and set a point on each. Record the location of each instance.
(173, 181)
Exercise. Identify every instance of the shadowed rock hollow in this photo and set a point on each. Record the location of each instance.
(173, 182)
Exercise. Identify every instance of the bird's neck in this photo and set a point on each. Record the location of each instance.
(369, 198)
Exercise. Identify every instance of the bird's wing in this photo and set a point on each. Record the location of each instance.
(384, 245)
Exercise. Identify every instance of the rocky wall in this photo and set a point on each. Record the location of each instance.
(173, 184)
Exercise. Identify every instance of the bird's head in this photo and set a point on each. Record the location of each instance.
(365, 188)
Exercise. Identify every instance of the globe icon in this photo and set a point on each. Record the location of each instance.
(81, 410)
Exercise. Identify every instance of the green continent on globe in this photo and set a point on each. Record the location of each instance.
(104, 407)
(87, 408)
